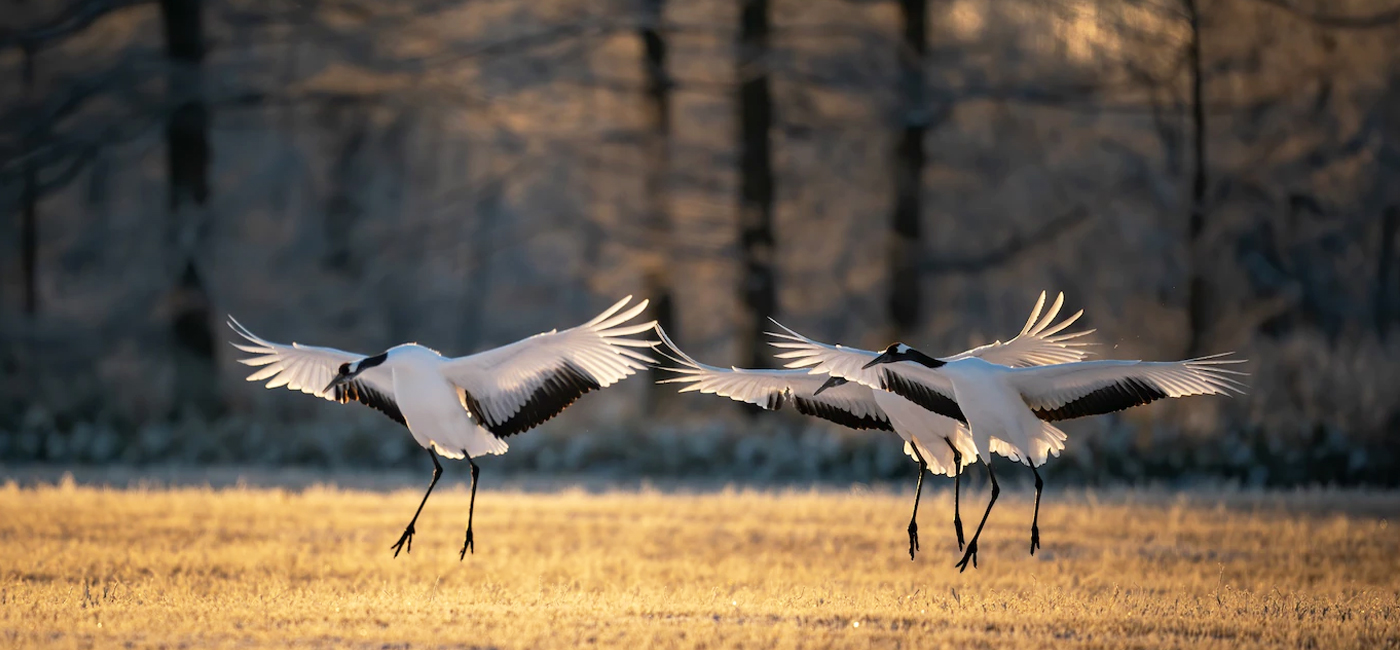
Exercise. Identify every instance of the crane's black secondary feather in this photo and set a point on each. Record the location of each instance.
(364, 394)
(1122, 394)
(922, 395)
(557, 390)
(844, 418)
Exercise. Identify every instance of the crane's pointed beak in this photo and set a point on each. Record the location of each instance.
(883, 358)
(339, 379)
(831, 382)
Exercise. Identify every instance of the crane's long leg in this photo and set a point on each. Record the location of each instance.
(918, 491)
(470, 544)
(407, 537)
(957, 480)
(971, 553)
(1035, 521)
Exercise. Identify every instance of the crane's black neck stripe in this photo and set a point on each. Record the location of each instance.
(840, 416)
(370, 362)
(1122, 394)
(924, 359)
(922, 395)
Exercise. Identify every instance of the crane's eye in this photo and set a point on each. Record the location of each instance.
(344, 368)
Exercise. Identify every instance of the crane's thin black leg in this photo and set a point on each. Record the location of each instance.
(407, 537)
(918, 491)
(957, 480)
(470, 544)
(971, 553)
(1035, 521)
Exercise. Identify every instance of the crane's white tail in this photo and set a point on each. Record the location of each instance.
(1048, 441)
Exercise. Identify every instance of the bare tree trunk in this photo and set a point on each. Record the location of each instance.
(1197, 291)
(188, 156)
(1388, 273)
(909, 159)
(658, 166)
(756, 182)
(29, 213)
(343, 206)
(487, 209)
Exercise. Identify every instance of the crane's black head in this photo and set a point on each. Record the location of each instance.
(831, 382)
(352, 369)
(897, 352)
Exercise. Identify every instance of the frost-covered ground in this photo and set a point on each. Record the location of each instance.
(284, 559)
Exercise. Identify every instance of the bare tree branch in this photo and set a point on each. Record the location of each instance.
(72, 20)
(1387, 18)
(1010, 249)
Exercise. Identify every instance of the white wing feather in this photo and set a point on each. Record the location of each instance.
(302, 368)
(1052, 387)
(770, 388)
(505, 379)
(766, 388)
(1039, 343)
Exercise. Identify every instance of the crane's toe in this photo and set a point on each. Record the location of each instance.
(405, 538)
(468, 545)
(969, 556)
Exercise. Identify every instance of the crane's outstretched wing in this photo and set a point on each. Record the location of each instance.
(916, 383)
(850, 405)
(515, 387)
(308, 369)
(1039, 343)
(1072, 390)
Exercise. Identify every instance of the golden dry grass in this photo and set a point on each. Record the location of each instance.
(200, 567)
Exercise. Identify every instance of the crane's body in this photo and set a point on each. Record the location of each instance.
(981, 395)
(431, 407)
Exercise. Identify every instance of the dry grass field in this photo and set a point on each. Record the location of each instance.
(266, 567)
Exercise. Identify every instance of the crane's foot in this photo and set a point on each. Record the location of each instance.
(406, 538)
(957, 525)
(970, 555)
(913, 539)
(468, 545)
(1035, 538)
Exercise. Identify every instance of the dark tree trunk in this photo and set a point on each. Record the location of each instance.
(343, 205)
(905, 293)
(1197, 290)
(29, 212)
(188, 156)
(658, 166)
(759, 290)
(487, 209)
(1388, 273)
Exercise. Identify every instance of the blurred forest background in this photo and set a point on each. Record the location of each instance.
(1199, 175)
